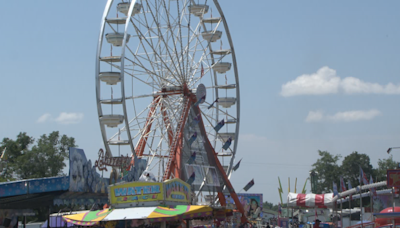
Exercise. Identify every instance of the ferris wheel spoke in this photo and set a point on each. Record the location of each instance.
(172, 37)
(141, 41)
(150, 73)
(162, 37)
(151, 41)
(139, 63)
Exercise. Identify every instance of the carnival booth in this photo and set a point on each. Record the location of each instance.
(310, 200)
(148, 204)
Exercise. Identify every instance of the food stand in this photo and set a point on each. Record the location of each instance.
(148, 204)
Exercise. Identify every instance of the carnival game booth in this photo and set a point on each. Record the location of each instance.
(148, 204)
(312, 201)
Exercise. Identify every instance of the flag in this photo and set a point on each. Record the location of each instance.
(226, 80)
(373, 190)
(335, 191)
(196, 120)
(212, 104)
(363, 177)
(191, 179)
(191, 140)
(227, 143)
(219, 125)
(237, 165)
(202, 71)
(342, 185)
(3, 156)
(249, 185)
(350, 187)
(304, 187)
(203, 98)
(280, 189)
(192, 158)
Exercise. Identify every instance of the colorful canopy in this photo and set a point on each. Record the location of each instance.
(310, 200)
(180, 212)
(88, 218)
(154, 214)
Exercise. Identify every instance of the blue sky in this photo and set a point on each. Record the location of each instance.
(314, 75)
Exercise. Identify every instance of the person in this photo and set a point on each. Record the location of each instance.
(254, 210)
(317, 222)
(268, 225)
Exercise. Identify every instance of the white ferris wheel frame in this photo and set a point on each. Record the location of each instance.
(124, 98)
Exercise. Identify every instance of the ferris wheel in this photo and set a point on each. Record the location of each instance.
(167, 88)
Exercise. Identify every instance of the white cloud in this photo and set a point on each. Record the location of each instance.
(352, 85)
(44, 118)
(326, 81)
(63, 118)
(69, 118)
(314, 116)
(349, 116)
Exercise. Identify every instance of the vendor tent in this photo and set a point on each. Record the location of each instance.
(88, 218)
(310, 200)
(153, 214)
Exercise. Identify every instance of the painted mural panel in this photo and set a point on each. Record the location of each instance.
(83, 175)
(252, 204)
(8, 218)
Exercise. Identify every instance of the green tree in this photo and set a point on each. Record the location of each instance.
(351, 167)
(270, 206)
(327, 170)
(383, 166)
(45, 159)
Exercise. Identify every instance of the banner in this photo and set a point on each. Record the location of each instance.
(252, 204)
(177, 190)
(135, 192)
(211, 176)
(393, 178)
(199, 173)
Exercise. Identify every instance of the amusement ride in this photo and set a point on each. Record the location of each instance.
(167, 90)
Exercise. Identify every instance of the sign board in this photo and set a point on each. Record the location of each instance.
(136, 192)
(177, 190)
(105, 160)
(393, 178)
(252, 204)
(144, 193)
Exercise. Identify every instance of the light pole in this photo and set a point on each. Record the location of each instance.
(393, 189)
(391, 148)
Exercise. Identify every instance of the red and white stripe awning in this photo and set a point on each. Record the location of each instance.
(310, 200)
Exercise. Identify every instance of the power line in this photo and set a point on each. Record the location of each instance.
(280, 164)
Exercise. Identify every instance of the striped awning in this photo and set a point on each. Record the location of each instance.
(153, 214)
(310, 200)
